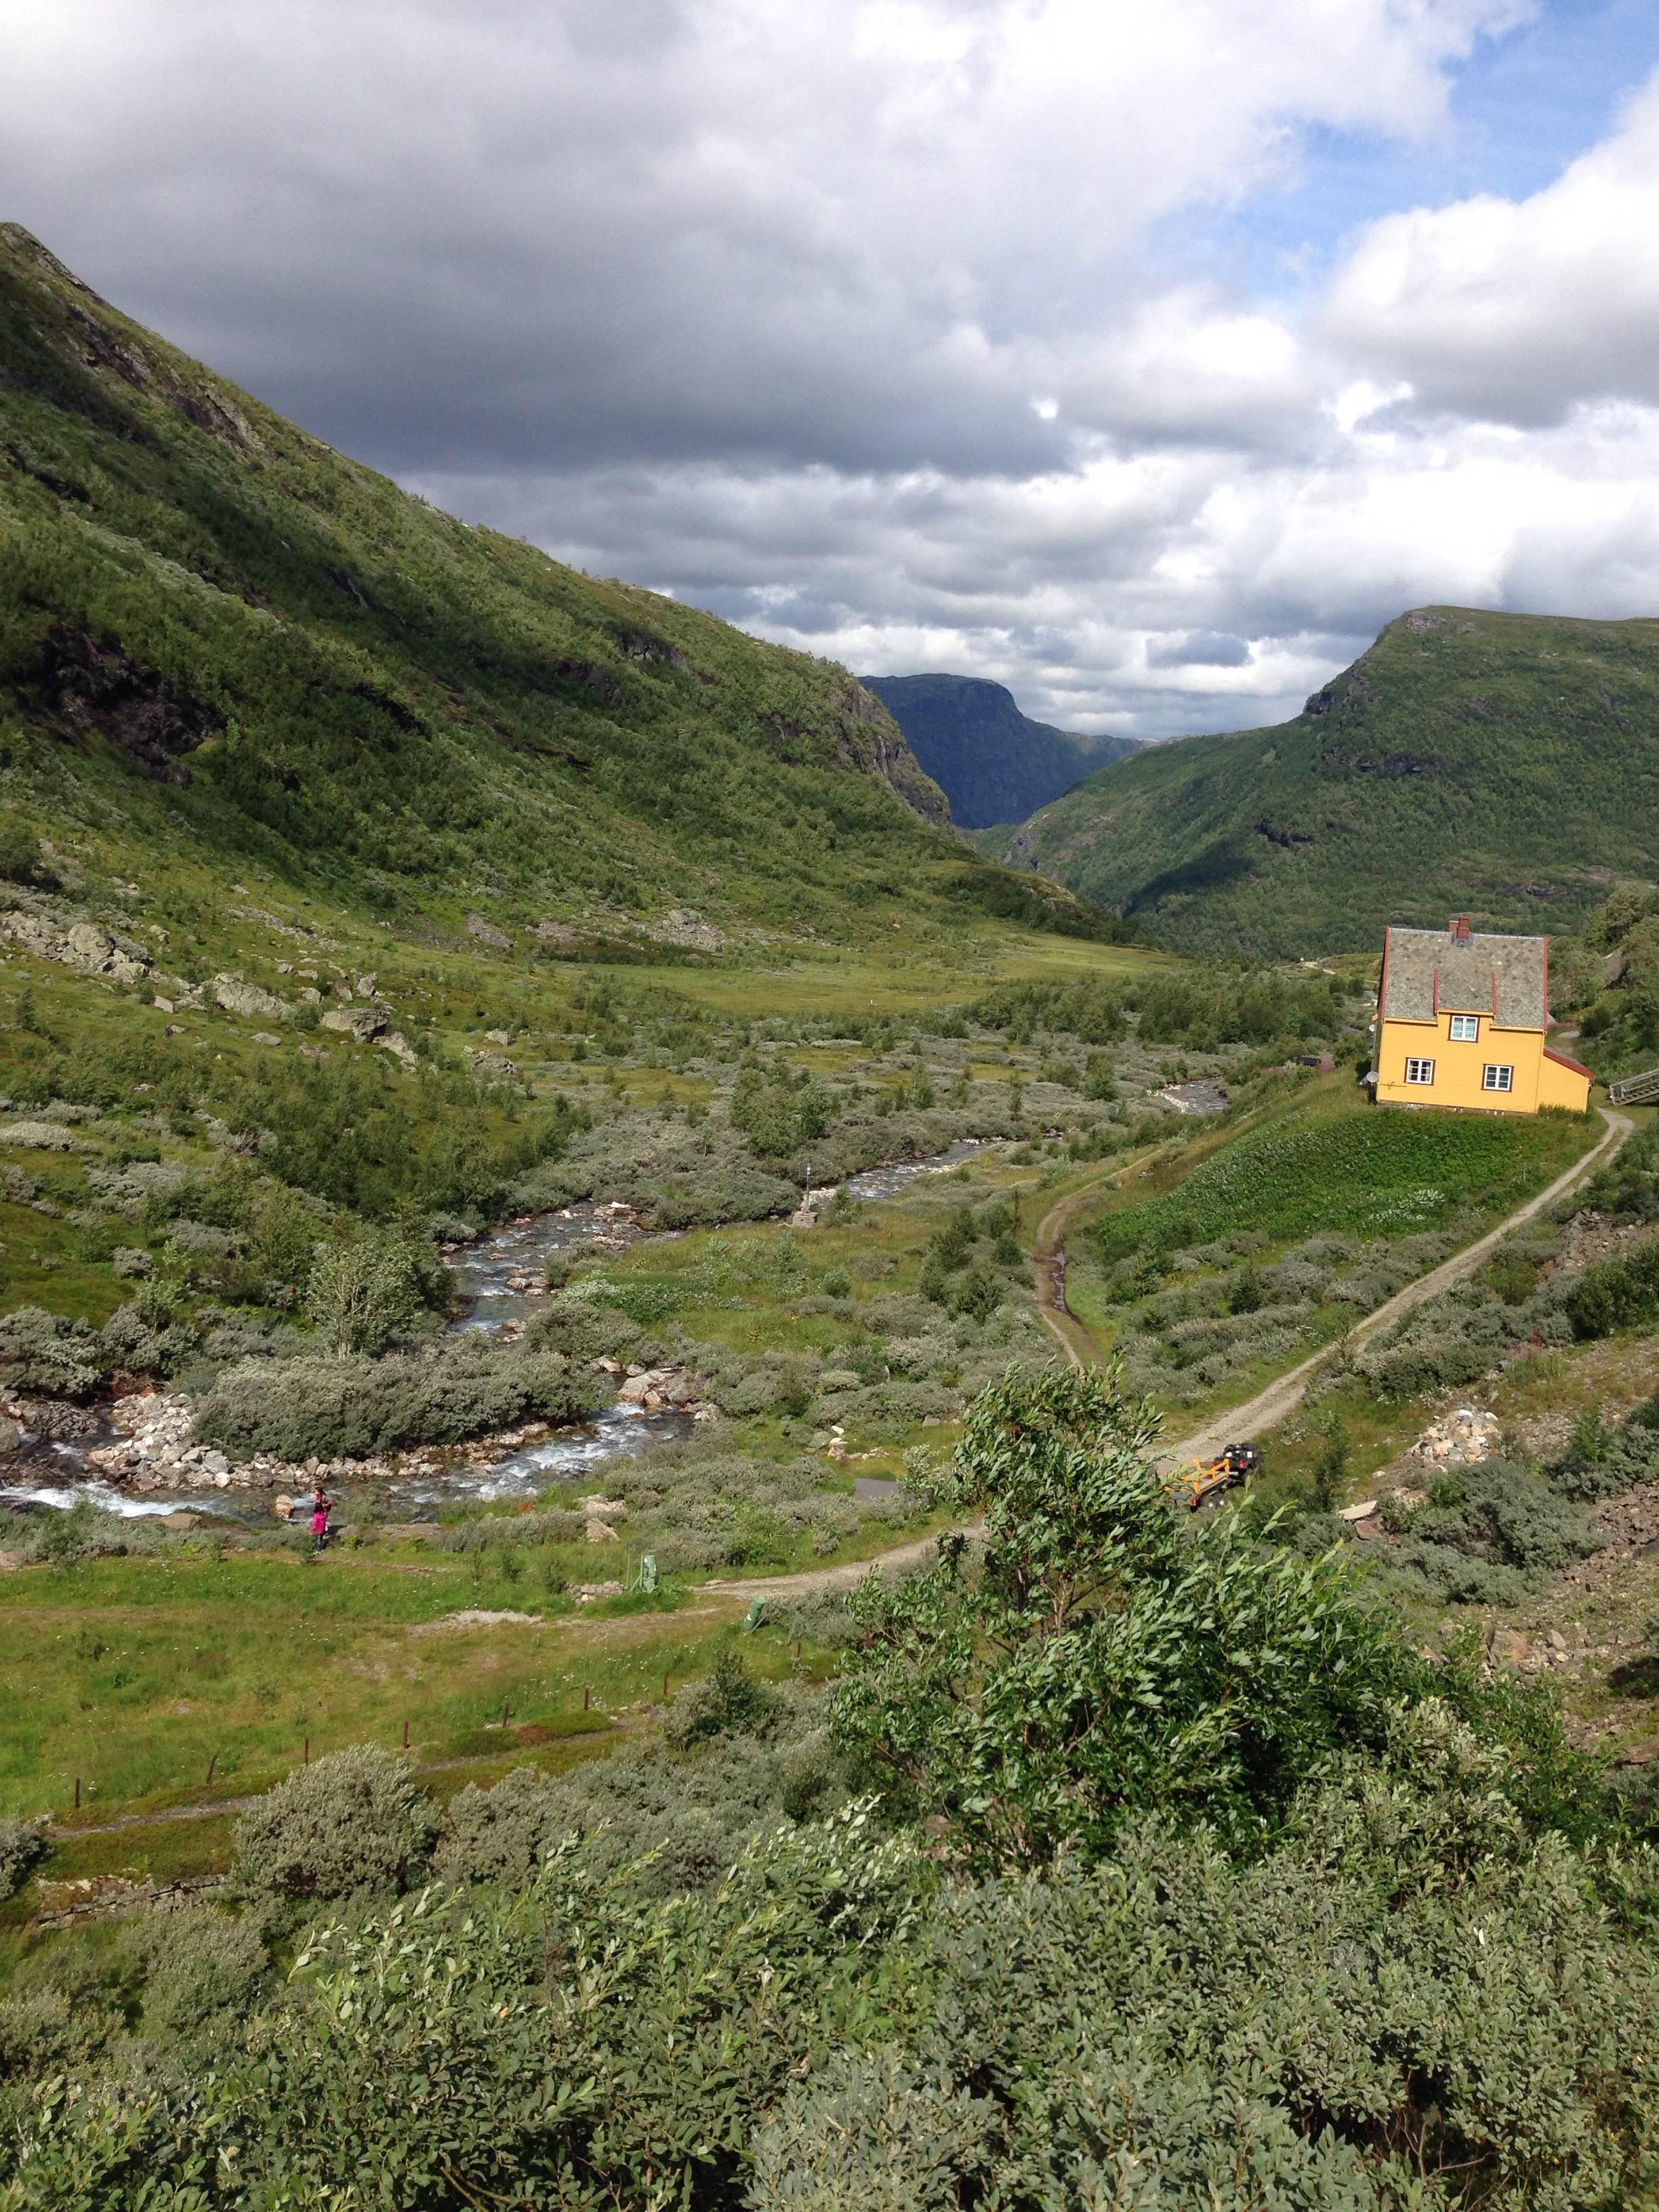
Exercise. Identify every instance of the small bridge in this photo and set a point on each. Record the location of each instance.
(1635, 1089)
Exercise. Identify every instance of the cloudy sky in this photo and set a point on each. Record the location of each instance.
(1145, 354)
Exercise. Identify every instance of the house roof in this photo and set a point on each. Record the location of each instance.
(1427, 972)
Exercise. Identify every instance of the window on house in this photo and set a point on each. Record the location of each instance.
(1420, 1071)
(1498, 1079)
(1464, 1027)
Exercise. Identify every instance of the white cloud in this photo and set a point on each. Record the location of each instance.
(1519, 309)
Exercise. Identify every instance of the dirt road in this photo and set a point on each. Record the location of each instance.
(1285, 1393)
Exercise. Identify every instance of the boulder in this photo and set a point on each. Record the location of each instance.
(363, 1023)
(600, 1532)
(10, 1438)
(398, 1046)
(237, 997)
(486, 933)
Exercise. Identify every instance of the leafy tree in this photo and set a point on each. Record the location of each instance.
(1104, 1660)
(366, 1290)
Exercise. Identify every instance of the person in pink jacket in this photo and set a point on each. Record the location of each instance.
(321, 1507)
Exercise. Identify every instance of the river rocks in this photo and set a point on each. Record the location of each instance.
(158, 1449)
(53, 1420)
(659, 1390)
(362, 1024)
(10, 1438)
(1461, 1439)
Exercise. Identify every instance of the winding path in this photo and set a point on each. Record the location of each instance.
(1285, 1393)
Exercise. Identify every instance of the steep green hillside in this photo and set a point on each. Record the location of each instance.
(993, 764)
(1504, 764)
(218, 635)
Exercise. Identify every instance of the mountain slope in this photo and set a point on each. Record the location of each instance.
(1504, 764)
(213, 628)
(993, 764)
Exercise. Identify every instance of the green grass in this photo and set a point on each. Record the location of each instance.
(1359, 1171)
(133, 1673)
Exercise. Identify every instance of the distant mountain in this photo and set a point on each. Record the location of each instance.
(1507, 765)
(993, 764)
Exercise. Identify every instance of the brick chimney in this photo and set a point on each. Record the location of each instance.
(1458, 928)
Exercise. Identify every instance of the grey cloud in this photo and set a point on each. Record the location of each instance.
(1203, 648)
(861, 342)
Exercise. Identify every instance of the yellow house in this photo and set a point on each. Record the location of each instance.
(1461, 1020)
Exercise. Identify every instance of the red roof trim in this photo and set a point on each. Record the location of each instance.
(1561, 1060)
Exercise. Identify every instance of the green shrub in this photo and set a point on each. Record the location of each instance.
(501, 1834)
(355, 1821)
(22, 1848)
(729, 1702)
(43, 1351)
(353, 1407)
(204, 1969)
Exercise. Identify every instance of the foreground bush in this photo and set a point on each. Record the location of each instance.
(1104, 1660)
(355, 1821)
(1410, 2003)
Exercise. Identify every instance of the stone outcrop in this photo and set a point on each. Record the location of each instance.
(660, 1390)
(86, 946)
(1461, 1439)
(94, 685)
(485, 933)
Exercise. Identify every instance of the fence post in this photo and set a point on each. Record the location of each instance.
(77, 1793)
(584, 1697)
(406, 1735)
(307, 1751)
(212, 1763)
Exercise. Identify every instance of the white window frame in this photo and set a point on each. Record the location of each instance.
(1465, 1029)
(1494, 1077)
(1420, 1071)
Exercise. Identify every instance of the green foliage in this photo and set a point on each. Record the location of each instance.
(1102, 1662)
(42, 1351)
(729, 1702)
(1615, 1293)
(355, 1821)
(368, 1291)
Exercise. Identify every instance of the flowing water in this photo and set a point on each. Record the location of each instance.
(889, 1181)
(491, 1276)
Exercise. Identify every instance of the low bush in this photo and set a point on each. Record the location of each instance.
(202, 1968)
(501, 1834)
(22, 1848)
(352, 1408)
(355, 1822)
